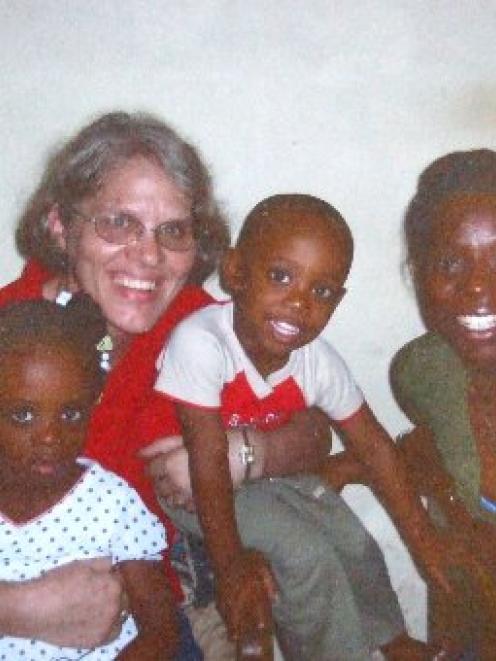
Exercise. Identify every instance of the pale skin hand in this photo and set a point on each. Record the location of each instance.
(168, 468)
(76, 605)
(302, 445)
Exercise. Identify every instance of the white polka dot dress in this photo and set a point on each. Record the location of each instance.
(101, 516)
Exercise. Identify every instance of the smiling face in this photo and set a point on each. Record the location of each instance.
(456, 282)
(287, 284)
(42, 428)
(133, 284)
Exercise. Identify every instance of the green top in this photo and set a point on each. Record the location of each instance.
(428, 375)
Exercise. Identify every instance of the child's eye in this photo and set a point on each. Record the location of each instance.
(323, 292)
(70, 414)
(280, 276)
(22, 416)
(326, 293)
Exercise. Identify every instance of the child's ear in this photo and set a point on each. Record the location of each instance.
(56, 227)
(232, 272)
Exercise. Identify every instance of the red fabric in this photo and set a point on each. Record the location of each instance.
(27, 287)
(241, 406)
(131, 413)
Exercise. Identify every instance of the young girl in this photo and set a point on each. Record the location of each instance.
(445, 380)
(252, 363)
(55, 507)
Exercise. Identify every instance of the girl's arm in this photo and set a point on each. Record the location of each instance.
(152, 606)
(244, 583)
(390, 481)
(76, 605)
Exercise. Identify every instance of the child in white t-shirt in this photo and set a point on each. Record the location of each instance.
(289, 545)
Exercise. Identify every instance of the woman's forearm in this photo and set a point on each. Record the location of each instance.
(300, 446)
(76, 605)
(16, 618)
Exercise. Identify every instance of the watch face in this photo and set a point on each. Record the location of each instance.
(247, 451)
(246, 454)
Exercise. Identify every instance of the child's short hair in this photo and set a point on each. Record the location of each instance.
(456, 173)
(260, 214)
(79, 326)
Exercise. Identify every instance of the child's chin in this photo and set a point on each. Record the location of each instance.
(47, 471)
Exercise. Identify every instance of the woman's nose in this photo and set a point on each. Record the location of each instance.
(481, 282)
(146, 246)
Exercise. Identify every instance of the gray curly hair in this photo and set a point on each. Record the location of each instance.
(79, 169)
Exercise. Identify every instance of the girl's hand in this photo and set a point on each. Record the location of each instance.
(245, 593)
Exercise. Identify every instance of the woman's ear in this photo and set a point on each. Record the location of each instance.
(56, 227)
(232, 271)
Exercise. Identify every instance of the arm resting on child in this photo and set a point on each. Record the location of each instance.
(76, 605)
(301, 445)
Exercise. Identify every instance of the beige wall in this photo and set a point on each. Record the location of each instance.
(346, 100)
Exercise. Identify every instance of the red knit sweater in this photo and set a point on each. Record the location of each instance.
(130, 413)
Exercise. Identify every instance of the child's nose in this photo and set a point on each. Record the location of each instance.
(299, 299)
(49, 434)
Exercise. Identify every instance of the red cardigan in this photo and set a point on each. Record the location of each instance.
(130, 413)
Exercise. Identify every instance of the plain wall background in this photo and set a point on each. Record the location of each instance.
(345, 100)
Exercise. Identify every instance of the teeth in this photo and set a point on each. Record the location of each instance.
(478, 322)
(134, 283)
(284, 328)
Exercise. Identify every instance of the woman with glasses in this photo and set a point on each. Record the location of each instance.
(125, 213)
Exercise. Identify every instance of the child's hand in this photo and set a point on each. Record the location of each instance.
(341, 469)
(245, 593)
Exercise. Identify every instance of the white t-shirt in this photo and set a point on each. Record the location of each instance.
(204, 365)
(100, 516)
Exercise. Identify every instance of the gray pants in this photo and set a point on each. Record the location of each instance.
(335, 600)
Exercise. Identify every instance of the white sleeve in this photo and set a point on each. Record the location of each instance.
(335, 390)
(192, 367)
(138, 534)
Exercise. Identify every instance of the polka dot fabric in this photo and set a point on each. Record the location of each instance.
(101, 516)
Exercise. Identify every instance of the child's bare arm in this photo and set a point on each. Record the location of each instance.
(343, 468)
(152, 606)
(389, 479)
(301, 445)
(244, 582)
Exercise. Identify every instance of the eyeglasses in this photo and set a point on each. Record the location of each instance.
(123, 229)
